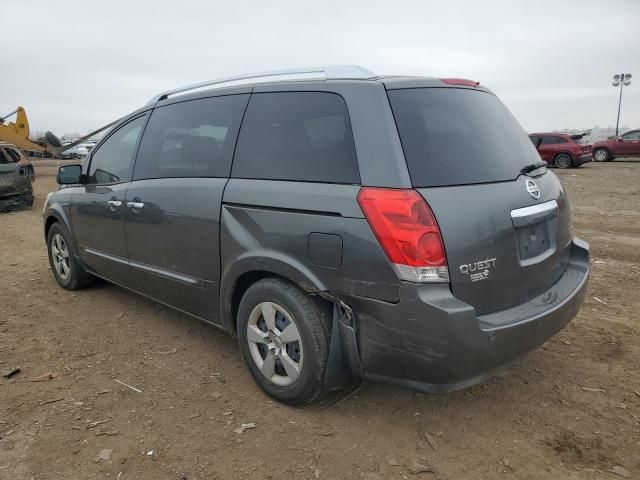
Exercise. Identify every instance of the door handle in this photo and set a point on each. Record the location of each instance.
(135, 205)
(113, 204)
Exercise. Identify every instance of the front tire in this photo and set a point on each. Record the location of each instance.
(66, 270)
(283, 338)
(562, 160)
(601, 155)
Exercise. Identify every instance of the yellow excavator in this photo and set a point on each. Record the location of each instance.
(17, 133)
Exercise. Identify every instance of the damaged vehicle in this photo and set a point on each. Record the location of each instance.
(340, 224)
(16, 179)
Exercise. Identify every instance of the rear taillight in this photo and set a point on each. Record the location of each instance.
(407, 231)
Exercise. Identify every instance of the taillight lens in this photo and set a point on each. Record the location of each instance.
(407, 231)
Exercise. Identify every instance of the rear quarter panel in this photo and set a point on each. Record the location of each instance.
(266, 226)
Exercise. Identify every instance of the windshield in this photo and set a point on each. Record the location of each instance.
(456, 136)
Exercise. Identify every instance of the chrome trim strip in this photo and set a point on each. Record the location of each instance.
(113, 258)
(168, 274)
(534, 209)
(147, 268)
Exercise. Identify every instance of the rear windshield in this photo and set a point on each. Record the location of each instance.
(456, 136)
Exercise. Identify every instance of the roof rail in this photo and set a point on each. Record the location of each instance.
(332, 72)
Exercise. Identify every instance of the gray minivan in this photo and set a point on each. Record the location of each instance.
(339, 223)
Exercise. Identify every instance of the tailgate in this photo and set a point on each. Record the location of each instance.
(503, 247)
(505, 243)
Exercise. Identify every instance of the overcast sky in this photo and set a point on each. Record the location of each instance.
(77, 65)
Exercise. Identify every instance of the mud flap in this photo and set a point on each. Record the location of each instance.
(344, 361)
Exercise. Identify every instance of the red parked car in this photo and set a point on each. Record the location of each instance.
(625, 145)
(561, 150)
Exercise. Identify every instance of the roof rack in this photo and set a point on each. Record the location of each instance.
(331, 72)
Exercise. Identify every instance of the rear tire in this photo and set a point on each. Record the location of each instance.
(66, 270)
(563, 160)
(283, 338)
(601, 155)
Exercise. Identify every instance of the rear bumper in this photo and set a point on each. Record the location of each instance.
(583, 159)
(430, 341)
(16, 198)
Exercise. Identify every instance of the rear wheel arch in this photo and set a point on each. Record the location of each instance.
(243, 273)
(246, 280)
(242, 284)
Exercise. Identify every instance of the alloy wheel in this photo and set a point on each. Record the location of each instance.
(275, 343)
(600, 155)
(60, 256)
(563, 161)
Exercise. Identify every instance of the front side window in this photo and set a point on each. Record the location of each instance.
(300, 136)
(191, 139)
(631, 136)
(112, 162)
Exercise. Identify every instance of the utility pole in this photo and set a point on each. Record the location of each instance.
(623, 79)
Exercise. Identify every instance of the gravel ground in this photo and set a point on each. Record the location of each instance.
(569, 410)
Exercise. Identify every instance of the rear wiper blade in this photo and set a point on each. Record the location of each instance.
(532, 167)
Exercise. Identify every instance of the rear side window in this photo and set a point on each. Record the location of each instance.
(13, 154)
(7, 156)
(191, 139)
(303, 136)
(457, 136)
(552, 140)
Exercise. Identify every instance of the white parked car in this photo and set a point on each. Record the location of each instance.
(78, 151)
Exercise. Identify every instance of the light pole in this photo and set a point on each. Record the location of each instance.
(623, 79)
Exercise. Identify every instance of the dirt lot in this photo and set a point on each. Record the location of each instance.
(569, 410)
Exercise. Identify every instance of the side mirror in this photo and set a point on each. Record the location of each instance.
(620, 139)
(69, 174)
